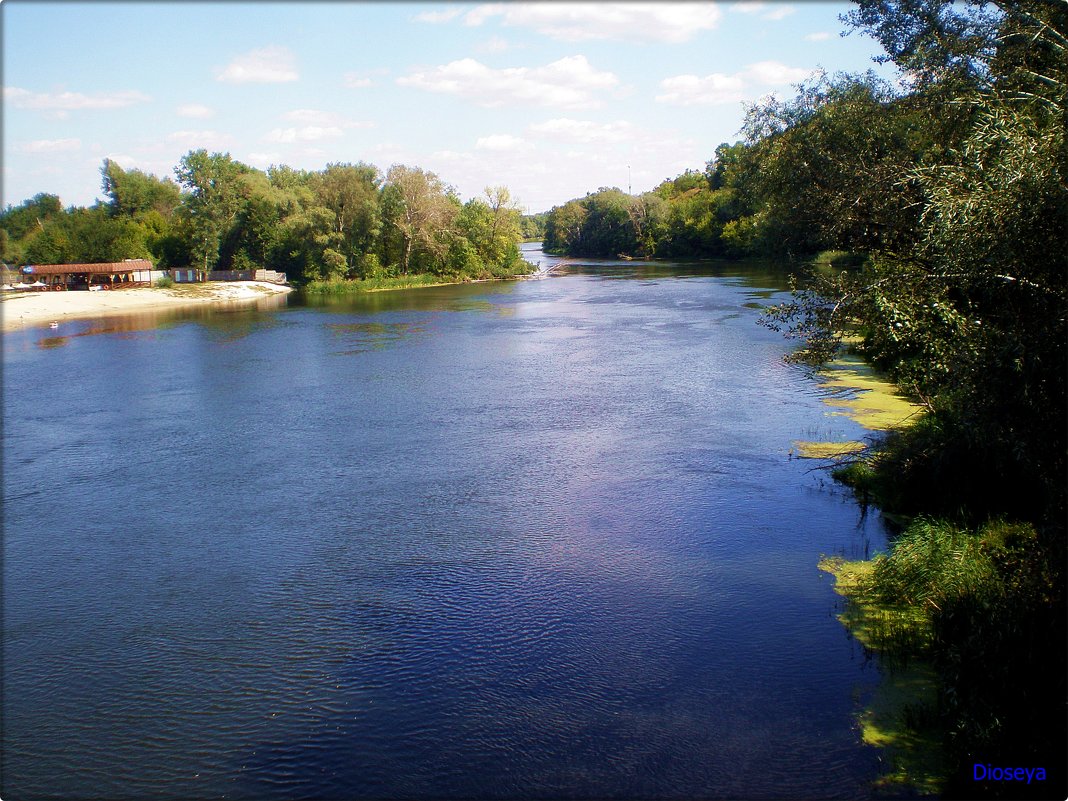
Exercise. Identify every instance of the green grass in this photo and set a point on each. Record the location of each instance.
(414, 281)
(344, 287)
(839, 259)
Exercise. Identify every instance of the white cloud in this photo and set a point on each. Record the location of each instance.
(196, 111)
(71, 101)
(307, 133)
(273, 64)
(774, 73)
(353, 80)
(775, 12)
(691, 90)
(573, 22)
(314, 117)
(50, 146)
(313, 125)
(819, 36)
(568, 83)
(718, 89)
(495, 44)
(778, 13)
(583, 130)
(502, 143)
(435, 17)
(264, 159)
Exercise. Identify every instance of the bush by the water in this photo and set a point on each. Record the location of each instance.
(986, 606)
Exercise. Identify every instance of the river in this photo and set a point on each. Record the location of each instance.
(532, 539)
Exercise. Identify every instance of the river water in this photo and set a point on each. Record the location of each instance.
(534, 539)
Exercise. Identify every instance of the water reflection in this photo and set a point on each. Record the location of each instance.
(361, 337)
(455, 297)
(228, 322)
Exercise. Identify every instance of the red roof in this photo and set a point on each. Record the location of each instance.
(102, 268)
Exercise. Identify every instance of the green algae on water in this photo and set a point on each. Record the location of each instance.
(898, 717)
(857, 392)
(826, 450)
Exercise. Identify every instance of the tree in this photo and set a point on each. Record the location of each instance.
(563, 227)
(968, 310)
(351, 193)
(419, 210)
(134, 193)
(647, 213)
(213, 202)
(834, 165)
(492, 227)
(30, 216)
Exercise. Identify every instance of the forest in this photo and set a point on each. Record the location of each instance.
(932, 217)
(347, 221)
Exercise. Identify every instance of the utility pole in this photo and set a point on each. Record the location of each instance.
(628, 180)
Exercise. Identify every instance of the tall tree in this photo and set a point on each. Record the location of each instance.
(351, 192)
(420, 212)
(213, 202)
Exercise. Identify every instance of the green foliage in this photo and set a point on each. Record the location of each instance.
(164, 282)
(376, 284)
(31, 215)
(420, 210)
(962, 300)
(986, 605)
(214, 201)
(532, 226)
(934, 562)
(135, 194)
(85, 235)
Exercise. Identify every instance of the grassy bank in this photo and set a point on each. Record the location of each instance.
(344, 287)
(413, 281)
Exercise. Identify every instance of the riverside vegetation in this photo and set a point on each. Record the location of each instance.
(933, 215)
(341, 228)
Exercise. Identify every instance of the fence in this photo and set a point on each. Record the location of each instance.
(272, 276)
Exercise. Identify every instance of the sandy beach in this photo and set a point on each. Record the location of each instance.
(31, 309)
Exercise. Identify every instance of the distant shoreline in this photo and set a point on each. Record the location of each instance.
(34, 309)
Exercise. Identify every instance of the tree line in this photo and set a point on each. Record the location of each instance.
(346, 221)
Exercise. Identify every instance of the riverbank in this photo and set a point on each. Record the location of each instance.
(31, 309)
(416, 281)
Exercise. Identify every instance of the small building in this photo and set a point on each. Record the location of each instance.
(186, 275)
(102, 275)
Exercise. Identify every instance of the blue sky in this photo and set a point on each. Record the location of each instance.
(552, 100)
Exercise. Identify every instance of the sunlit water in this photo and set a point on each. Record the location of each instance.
(538, 539)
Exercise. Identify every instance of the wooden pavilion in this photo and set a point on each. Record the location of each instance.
(104, 275)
